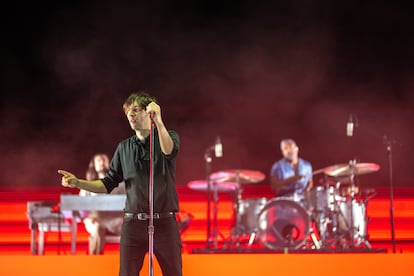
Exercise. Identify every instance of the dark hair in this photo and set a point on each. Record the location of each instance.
(141, 98)
(91, 173)
(287, 141)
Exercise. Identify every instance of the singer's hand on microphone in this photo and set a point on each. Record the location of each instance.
(154, 109)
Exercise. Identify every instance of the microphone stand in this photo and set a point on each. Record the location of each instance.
(151, 200)
(211, 234)
(208, 159)
(388, 143)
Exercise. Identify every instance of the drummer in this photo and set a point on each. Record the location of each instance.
(291, 176)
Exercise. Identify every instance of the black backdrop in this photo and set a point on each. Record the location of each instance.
(250, 73)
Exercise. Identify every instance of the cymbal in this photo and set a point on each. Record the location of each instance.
(334, 180)
(347, 169)
(318, 171)
(202, 186)
(238, 176)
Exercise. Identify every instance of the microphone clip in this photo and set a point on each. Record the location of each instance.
(217, 148)
(351, 125)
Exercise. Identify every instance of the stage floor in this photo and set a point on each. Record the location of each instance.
(219, 264)
(17, 260)
(376, 262)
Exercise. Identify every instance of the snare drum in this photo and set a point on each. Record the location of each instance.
(323, 198)
(283, 223)
(318, 198)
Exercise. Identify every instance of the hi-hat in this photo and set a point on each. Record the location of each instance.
(351, 169)
(202, 186)
(238, 176)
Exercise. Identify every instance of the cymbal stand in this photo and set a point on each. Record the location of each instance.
(208, 159)
(366, 220)
(352, 196)
(333, 213)
(364, 238)
(215, 231)
(236, 230)
(212, 231)
(360, 239)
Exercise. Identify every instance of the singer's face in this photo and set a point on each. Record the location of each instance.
(290, 151)
(138, 118)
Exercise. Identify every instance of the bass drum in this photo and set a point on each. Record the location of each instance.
(283, 223)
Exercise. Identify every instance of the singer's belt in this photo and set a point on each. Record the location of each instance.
(145, 216)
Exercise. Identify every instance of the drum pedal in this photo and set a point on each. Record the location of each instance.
(315, 240)
(252, 239)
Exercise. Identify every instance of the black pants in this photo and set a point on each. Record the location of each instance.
(134, 246)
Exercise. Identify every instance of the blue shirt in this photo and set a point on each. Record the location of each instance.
(283, 169)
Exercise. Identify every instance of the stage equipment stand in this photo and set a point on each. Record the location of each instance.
(389, 143)
(352, 164)
(151, 201)
(211, 233)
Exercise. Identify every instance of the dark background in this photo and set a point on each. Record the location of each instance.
(252, 73)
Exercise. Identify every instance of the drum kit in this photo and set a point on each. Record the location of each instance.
(329, 216)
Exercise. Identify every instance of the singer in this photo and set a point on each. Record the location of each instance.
(130, 164)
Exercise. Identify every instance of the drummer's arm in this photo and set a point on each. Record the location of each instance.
(310, 185)
(278, 183)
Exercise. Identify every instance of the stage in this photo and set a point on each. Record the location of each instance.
(218, 264)
(17, 259)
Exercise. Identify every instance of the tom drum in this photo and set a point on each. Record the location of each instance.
(249, 209)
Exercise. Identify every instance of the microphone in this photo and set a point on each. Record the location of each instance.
(218, 148)
(350, 127)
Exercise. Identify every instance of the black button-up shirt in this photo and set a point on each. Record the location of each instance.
(130, 164)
